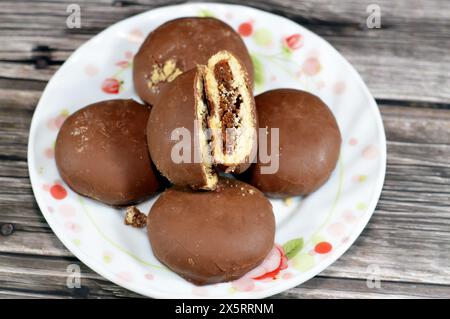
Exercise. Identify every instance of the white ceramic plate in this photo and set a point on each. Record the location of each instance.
(285, 55)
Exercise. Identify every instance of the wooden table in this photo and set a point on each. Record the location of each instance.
(406, 64)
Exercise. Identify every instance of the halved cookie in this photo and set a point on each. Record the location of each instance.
(205, 118)
(232, 117)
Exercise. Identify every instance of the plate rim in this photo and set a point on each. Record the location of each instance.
(97, 268)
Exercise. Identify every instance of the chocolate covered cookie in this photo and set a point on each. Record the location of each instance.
(101, 152)
(205, 118)
(178, 46)
(309, 143)
(211, 237)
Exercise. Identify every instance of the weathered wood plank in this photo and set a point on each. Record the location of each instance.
(414, 256)
(16, 169)
(26, 71)
(22, 84)
(407, 253)
(416, 125)
(48, 277)
(33, 243)
(19, 99)
(331, 11)
(14, 294)
(423, 154)
(325, 287)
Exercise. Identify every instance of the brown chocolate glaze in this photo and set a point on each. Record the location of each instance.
(211, 237)
(188, 42)
(177, 112)
(101, 152)
(309, 142)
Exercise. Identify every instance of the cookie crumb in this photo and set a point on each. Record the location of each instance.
(166, 72)
(135, 218)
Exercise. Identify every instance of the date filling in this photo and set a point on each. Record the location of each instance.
(228, 113)
(230, 101)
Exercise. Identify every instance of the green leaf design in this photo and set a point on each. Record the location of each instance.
(286, 51)
(76, 241)
(107, 259)
(361, 206)
(204, 13)
(293, 247)
(258, 70)
(64, 112)
(262, 37)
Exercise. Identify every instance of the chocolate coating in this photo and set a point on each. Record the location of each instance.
(210, 237)
(101, 152)
(187, 42)
(177, 112)
(309, 143)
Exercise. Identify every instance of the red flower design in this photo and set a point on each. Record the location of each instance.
(294, 41)
(59, 120)
(311, 66)
(58, 192)
(111, 86)
(282, 265)
(245, 29)
(129, 55)
(323, 247)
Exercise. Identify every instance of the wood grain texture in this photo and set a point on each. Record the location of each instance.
(407, 67)
(49, 276)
